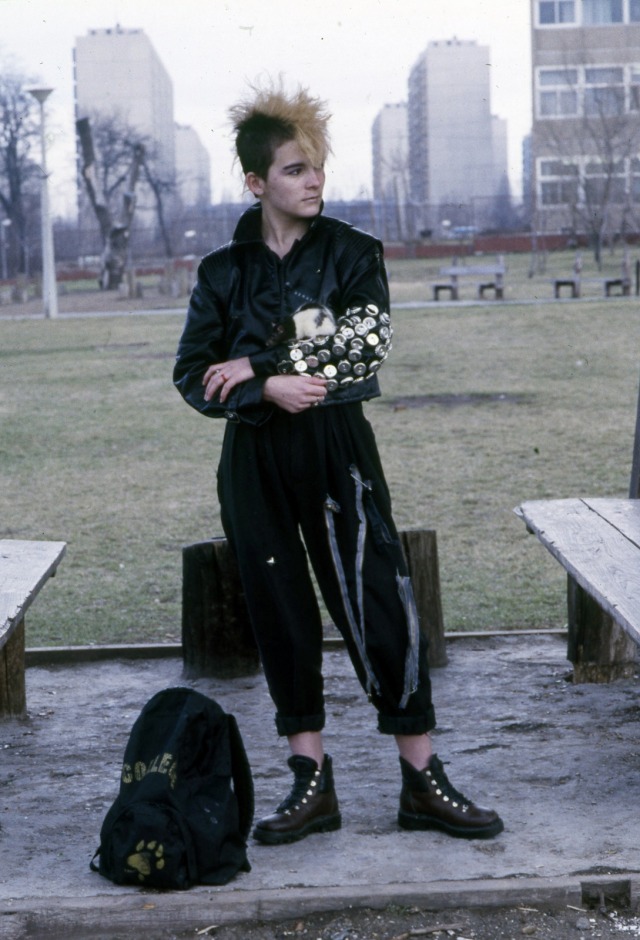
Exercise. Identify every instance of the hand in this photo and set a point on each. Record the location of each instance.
(295, 393)
(221, 377)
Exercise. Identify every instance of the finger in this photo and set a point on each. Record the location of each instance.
(215, 384)
(226, 388)
(211, 371)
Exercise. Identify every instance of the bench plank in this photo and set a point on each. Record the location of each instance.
(596, 540)
(622, 514)
(25, 566)
(472, 270)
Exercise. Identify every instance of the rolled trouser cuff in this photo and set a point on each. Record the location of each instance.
(407, 724)
(286, 726)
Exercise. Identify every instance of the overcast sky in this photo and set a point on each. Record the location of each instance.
(356, 55)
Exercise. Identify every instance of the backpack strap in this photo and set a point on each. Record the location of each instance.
(242, 779)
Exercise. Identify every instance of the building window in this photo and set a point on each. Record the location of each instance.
(634, 11)
(597, 12)
(604, 92)
(604, 183)
(635, 180)
(634, 88)
(552, 12)
(558, 183)
(557, 94)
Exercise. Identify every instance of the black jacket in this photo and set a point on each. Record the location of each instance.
(244, 292)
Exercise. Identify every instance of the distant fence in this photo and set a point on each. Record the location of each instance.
(509, 243)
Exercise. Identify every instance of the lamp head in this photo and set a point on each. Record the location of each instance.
(40, 94)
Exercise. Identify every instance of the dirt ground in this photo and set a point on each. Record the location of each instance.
(559, 760)
(510, 924)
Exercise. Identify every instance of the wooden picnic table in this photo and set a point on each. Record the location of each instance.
(598, 542)
(25, 567)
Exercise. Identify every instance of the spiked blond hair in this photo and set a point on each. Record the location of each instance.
(269, 117)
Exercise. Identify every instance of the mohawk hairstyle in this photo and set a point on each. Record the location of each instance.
(270, 117)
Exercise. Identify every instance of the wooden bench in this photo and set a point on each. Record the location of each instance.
(610, 284)
(623, 283)
(24, 569)
(217, 639)
(598, 543)
(573, 282)
(496, 272)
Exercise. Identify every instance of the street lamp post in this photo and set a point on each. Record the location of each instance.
(49, 289)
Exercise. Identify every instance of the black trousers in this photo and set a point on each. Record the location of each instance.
(310, 488)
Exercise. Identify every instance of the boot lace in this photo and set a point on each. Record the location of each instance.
(436, 771)
(302, 789)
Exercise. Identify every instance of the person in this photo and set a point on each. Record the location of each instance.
(286, 330)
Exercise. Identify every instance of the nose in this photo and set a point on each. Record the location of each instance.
(316, 177)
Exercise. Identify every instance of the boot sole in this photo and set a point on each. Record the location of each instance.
(423, 823)
(322, 824)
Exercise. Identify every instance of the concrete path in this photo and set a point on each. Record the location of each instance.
(560, 762)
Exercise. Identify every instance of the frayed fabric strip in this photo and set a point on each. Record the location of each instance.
(357, 628)
(357, 624)
(411, 667)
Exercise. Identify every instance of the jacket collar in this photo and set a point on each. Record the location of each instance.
(249, 227)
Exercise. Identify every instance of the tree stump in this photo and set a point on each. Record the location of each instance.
(599, 649)
(217, 639)
(421, 553)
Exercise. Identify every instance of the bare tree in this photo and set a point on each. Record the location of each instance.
(18, 172)
(118, 162)
(102, 181)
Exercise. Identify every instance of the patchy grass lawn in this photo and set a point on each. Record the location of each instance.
(483, 407)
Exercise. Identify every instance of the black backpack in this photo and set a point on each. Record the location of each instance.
(185, 806)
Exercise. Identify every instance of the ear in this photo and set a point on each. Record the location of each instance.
(254, 184)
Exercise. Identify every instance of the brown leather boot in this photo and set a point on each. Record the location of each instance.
(312, 805)
(429, 801)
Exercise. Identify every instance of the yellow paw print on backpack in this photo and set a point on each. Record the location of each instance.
(147, 856)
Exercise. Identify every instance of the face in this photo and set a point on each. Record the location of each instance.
(293, 187)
